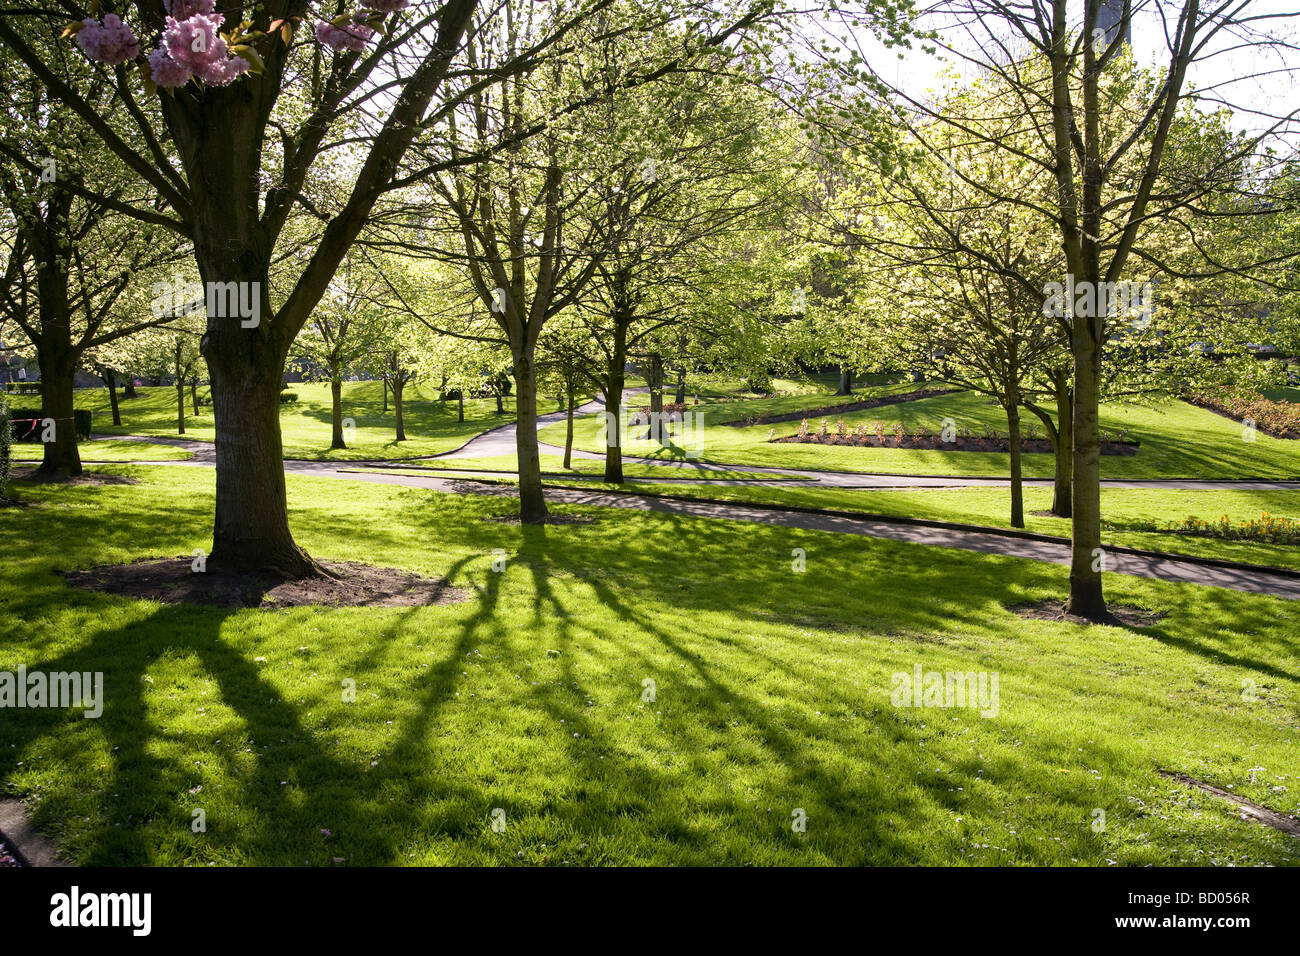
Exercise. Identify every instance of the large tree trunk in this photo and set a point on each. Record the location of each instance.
(532, 502)
(1017, 485)
(1086, 598)
(110, 380)
(128, 388)
(680, 396)
(846, 381)
(398, 385)
(252, 521)
(59, 457)
(180, 394)
(336, 410)
(568, 428)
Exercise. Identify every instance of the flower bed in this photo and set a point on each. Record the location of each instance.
(843, 409)
(877, 435)
(1266, 529)
(1277, 419)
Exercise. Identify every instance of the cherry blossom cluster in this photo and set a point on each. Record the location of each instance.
(192, 47)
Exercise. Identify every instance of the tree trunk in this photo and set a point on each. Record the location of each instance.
(680, 397)
(846, 381)
(180, 393)
(336, 413)
(615, 375)
(1017, 485)
(568, 429)
(385, 396)
(128, 388)
(194, 395)
(60, 457)
(110, 380)
(251, 530)
(1086, 598)
(1062, 506)
(398, 385)
(532, 502)
(460, 406)
(500, 408)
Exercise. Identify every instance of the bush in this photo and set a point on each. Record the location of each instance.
(288, 398)
(25, 424)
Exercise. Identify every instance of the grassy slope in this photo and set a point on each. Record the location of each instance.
(1178, 441)
(431, 426)
(772, 694)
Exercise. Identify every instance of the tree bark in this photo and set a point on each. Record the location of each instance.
(398, 385)
(680, 396)
(385, 396)
(460, 406)
(568, 428)
(1086, 597)
(615, 376)
(1017, 484)
(110, 380)
(532, 501)
(180, 393)
(846, 381)
(60, 458)
(336, 410)
(128, 387)
(194, 394)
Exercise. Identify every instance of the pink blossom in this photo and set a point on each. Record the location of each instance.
(195, 45)
(351, 36)
(386, 6)
(111, 42)
(184, 9)
(166, 72)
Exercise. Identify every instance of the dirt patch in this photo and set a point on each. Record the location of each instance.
(1028, 446)
(550, 519)
(85, 478)
(1055, 611)
(1248, 809)
(842, 409)
(172, 581)
(1044, 514)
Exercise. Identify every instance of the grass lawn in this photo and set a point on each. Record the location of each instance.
(1126, 512)
(1178, 441)
(772, 695)
(431, 426)
(107, 449)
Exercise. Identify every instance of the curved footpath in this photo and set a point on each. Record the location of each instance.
(1238, 577)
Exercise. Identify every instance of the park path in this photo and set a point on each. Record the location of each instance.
(1237, 577)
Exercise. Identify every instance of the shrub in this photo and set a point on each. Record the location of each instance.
(287, 398)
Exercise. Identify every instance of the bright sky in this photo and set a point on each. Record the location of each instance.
(1237, 76)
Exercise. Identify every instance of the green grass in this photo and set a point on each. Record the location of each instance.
(431, 426)
(772, 694)
(1178, 441)
(108, 449)
(1126, 512)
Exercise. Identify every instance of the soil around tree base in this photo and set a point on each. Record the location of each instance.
(85, 478)
(1122, 615)
(172, 581)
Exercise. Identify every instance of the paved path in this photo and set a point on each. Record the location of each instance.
(1239, 578)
